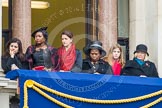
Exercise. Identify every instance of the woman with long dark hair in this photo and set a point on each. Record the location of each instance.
(13, 57)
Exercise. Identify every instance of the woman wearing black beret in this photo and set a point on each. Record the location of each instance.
(41, 56)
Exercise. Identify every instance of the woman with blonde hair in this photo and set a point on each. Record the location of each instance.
(115, 59)
(139, 66)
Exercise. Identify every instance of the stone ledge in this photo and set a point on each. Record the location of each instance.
(7, 85)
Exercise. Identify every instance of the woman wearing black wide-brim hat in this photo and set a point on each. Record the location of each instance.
(94, 63)
(139, 66)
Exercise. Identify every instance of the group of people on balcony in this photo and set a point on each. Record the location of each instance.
(42, 56)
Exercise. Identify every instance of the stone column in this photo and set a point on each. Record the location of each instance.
(94, 21)
(159, 39)
(137, 24)
(1, 70)
(22, 21)
(107, 22)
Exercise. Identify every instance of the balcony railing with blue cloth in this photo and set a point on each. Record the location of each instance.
(41, 89)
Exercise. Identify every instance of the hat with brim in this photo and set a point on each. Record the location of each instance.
(141, 48)
(94, 45)
(43, 30)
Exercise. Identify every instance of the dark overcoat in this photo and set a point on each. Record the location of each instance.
(8, 61)
(102, 67)
(77, 67)
(132, 68)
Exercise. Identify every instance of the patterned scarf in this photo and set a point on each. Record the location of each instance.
(67, 58)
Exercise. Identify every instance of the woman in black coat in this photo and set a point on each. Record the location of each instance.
(94, 63)
(138, 66)
(13, 57)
